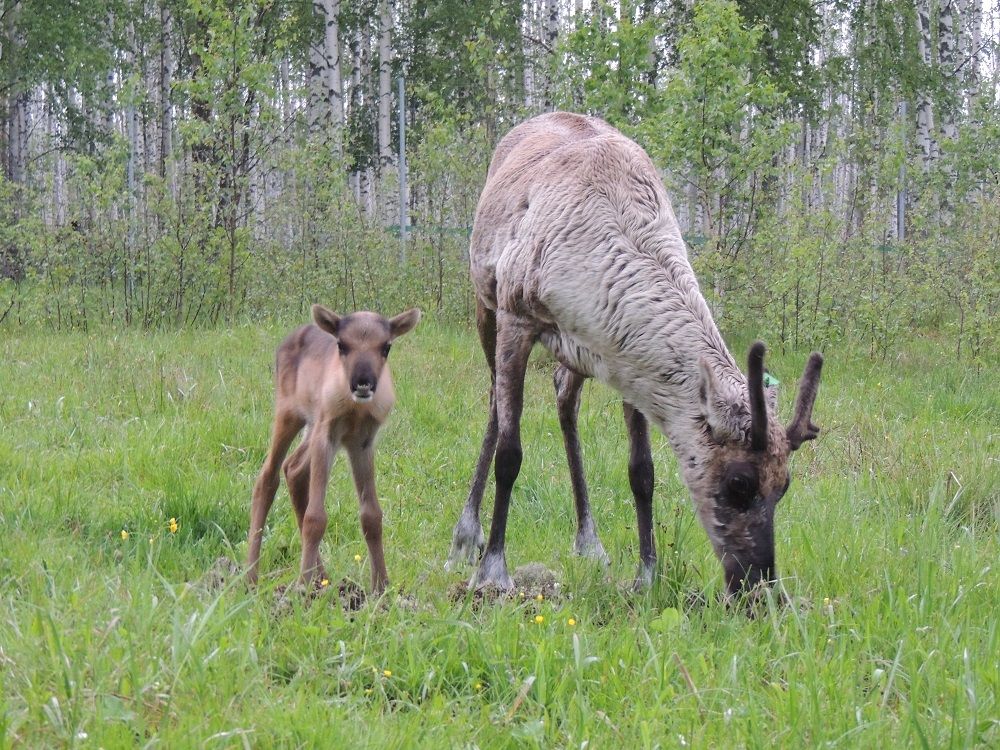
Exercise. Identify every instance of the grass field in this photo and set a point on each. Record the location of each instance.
(887, 543)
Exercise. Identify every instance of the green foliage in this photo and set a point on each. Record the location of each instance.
(791, 34)
(719, 128)
(608, 69)
(468, 53)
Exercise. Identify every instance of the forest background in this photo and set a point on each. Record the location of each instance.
(834, 165)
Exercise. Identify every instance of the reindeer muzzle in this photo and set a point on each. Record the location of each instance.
(363, 387)
(744, 578)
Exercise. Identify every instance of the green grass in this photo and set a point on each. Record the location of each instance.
(887, 540)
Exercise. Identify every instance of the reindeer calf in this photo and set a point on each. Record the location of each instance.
(332, 379)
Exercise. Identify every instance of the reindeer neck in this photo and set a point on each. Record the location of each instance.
(679, 332)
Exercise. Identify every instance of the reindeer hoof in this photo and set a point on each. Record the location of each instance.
(467, 543)
(644, 577)
(492, 574)
(590, 547)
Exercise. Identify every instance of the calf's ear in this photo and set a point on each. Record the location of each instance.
(326, 319)
(404, 322)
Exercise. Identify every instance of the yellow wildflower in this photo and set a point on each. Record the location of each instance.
(387, 673)
(173, 526)
(826, 601)
(357, 558)
(571, 622)
(124, 535)
(325, 582)
(539, 597)
(478, 686)
(539, 619)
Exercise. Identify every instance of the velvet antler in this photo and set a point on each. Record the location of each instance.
(801, 427)
(758, 406)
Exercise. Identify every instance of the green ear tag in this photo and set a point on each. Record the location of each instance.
(770, 380)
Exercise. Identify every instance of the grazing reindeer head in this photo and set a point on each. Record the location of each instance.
(363, 342)
(745, 470)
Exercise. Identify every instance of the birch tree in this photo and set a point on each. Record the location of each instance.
(925, 108)
(385, 159)
(326, 103)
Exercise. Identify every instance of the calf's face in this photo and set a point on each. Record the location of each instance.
(363, 343)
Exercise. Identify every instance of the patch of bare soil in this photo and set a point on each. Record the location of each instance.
(530, 582)
(350, 595)
(223, 571)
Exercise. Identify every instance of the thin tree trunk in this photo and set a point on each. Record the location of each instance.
(355, 103)
(551, 39)
(946, 58)
(166, 161)
(925, 109)
(385, 108)
(531, 58)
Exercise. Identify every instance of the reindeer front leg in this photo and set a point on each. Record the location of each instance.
(313, 523)
(640, 477)
(363, 467)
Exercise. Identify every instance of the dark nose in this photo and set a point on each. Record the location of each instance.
(364, 380)
(742, 577)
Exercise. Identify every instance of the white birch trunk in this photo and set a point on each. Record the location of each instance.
(166, 160)
(974, 34)
(385, 160)
(365, 187)
(549, 52)
(355, 103)
(946, 57)
(326, 106)
(334, 79)
(925, 109)
(530, 55)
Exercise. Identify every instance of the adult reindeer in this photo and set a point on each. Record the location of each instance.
(332, 379)
(575, 245)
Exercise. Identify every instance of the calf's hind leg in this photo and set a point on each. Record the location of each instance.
(319, 454)
(296, 469)
(286, 427)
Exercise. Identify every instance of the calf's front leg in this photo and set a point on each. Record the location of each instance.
(313, 523)
(363, 468)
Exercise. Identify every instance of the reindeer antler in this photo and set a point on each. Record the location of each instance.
(801, 427)
(758, 406)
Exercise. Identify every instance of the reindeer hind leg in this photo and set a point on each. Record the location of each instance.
(297, 474)
(515, 337)
(568, 385)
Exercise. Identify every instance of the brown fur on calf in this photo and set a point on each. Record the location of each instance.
(332, 379)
